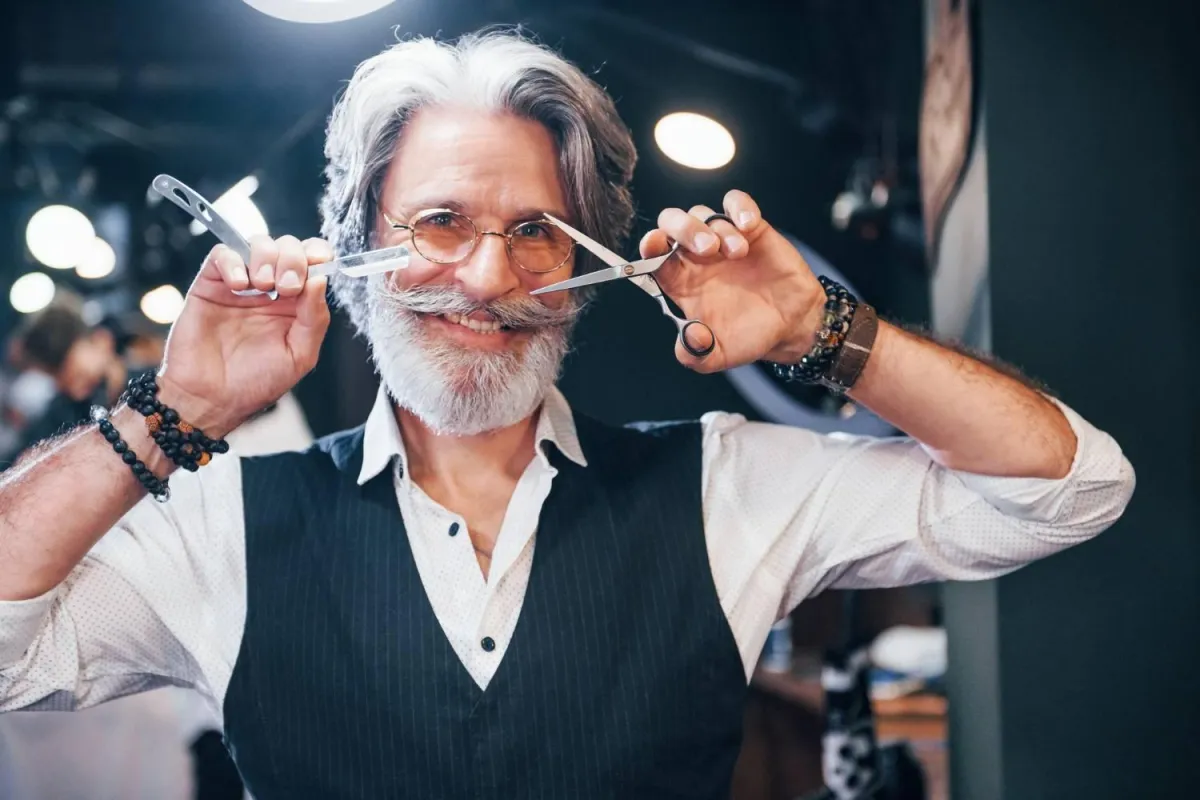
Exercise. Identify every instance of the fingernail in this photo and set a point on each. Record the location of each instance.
(290, 280)
(265, 273)
(239, 274)
(733, 244)
(704, 241)
(745, 218)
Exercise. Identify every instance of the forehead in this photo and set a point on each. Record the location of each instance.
(493, 164)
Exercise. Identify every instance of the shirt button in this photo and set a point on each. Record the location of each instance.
(453, 528)
(488, 644)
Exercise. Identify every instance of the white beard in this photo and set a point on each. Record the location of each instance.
(455, 390)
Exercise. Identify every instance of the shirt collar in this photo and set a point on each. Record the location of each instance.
(382, 440)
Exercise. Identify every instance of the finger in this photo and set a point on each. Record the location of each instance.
(227, 266)
(292, 268)
(312, 320)
(318, 251)
(264, 253)
(733, 244)
(741, 208)
(654, 243)
(692, 234)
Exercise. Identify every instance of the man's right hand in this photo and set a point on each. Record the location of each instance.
(228, 356)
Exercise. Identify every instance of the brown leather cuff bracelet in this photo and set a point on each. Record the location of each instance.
(852, 357)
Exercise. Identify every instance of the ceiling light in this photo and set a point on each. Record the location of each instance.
(98, 262)
(238, 210)
(162, 305)
(59, 236)
(31, 292)
(694, 140)
(317, 10)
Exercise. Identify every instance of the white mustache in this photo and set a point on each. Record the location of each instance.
(521, 311)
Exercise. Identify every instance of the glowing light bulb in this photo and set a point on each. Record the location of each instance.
(317, 10)
(694, 140)
(31, 292)
(162, 305)
(59, 236)
(98, 261)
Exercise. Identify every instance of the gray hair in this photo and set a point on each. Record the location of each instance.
(491, 70)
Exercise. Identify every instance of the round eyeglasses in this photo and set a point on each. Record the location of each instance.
(445, 237)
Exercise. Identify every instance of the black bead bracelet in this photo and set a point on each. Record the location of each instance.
(156, 486)
(186, 445)
(835, 323)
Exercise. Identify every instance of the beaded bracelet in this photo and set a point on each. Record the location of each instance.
(155, 485)
(183, 443)
(839, 313)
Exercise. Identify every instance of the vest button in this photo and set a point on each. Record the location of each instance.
(488, 644)
(453, 528)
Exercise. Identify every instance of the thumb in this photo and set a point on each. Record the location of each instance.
(312, 320)
(705, 354)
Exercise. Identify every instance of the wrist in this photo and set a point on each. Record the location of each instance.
(804, 338)
(132, 427)
(816, 363)
(212, 418)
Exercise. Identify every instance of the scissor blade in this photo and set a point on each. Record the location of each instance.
(360, 265)
(590, 279)
(591, 245)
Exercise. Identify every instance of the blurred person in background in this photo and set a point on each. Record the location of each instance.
(81, 359)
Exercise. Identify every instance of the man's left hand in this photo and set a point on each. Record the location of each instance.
(744, 280)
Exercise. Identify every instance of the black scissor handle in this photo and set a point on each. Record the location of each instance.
(695, 351)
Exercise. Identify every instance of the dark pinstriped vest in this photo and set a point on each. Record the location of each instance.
(622, 680)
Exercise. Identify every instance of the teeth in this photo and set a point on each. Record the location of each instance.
(479, 326)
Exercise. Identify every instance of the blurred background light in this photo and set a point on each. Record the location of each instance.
(98, 261)
(238, 210)
(59, 236)
(317, 10)
(31, 292)
(162, 305)
(694, 140)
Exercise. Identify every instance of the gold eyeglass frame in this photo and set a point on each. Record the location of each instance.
(507, 237)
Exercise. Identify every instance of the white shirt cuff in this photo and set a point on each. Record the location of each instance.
(20, 623)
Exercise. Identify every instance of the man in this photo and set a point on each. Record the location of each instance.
(82, 359)
(478, 593)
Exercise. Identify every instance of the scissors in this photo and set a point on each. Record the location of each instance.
(354, 266)
(640, 273)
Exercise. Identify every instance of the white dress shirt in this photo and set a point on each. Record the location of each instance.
(787, 513)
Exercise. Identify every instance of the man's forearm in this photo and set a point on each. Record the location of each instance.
(969, 415)
(57, 502)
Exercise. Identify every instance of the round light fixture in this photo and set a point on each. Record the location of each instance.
(98, 262)
(31, 292)
(59, 236)
(162, 305)
(694, 140)
(317, 10)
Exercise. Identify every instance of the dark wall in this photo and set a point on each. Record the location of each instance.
(1094, 226)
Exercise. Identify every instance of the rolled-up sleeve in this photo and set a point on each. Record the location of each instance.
(20, 622)
(790, 512)
(158, 601)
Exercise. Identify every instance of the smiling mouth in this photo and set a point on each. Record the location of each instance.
(489, 326)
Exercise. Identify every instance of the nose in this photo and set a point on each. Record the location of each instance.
(489, 272)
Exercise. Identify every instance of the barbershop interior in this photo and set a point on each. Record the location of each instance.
(1012, 183)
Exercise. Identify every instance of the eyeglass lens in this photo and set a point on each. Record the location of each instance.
(447, 236)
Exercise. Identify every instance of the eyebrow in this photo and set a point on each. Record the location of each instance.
(524, 214)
